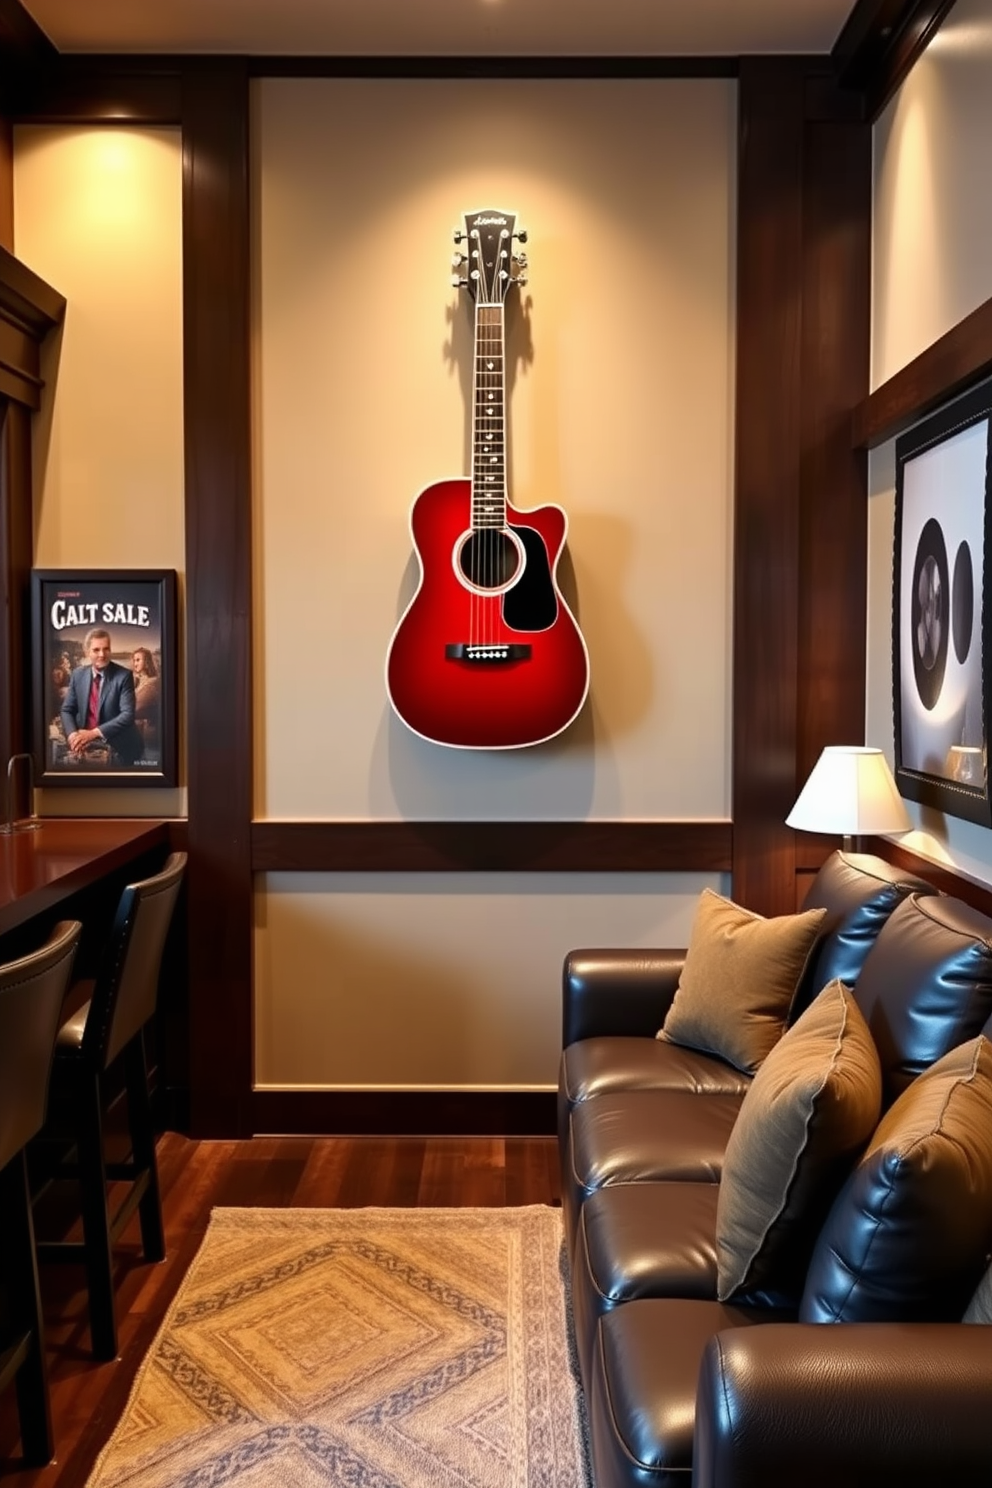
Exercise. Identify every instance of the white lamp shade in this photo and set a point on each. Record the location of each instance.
(851, 792)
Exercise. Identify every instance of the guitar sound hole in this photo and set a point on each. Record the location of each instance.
(489, 559)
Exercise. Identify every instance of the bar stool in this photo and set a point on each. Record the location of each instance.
(32, 989)
(107, 1028)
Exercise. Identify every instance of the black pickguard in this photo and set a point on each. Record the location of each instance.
(532, 603)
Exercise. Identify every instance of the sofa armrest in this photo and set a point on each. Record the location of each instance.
(861, 1403)
(617, 992)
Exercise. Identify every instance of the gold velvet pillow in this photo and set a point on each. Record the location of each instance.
(738, 980)
(805, 1119)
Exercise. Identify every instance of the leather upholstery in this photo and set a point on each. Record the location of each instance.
(32, 989)
(641, 1240)
(863, 1404)
(636, 1136)
(617, 991)
(645, 1368)
(926, 985)
(859, 892)
(596, 1066)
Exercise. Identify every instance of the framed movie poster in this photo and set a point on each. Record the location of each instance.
(105, 683)
(940, 610)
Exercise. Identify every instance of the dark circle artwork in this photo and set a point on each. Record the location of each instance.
(930, 613)
(962, 602)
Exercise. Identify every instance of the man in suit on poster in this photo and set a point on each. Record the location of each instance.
(99, 704)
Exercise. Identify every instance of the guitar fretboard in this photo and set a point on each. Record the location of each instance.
(489, 421)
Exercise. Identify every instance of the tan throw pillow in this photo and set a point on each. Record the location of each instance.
(738, 980)
(804, 1121)
(909, 1234)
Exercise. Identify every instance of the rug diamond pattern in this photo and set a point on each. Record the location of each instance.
(374, 1348)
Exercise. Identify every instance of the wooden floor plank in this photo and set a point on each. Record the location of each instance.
(87, 1398)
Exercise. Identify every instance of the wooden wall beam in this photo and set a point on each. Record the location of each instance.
(518, 847)
(766, 526)
(956, 360)
(217, 399)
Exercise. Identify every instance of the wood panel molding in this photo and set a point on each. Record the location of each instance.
(439, 846)
(405, 1113)
(29, 309)
(880, 42)
(962, 356)
(217, 401)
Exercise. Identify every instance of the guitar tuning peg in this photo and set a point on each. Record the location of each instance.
(457, 259)
(457, 236)
(521, 236)
(520, 259)
(458, 282)
(521, 280)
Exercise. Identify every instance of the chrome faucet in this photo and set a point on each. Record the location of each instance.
(27, 824)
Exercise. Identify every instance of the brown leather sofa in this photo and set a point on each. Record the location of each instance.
(756, 1389)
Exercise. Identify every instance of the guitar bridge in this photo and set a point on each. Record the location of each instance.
(488, 655)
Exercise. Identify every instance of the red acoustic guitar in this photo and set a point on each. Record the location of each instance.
(488, 654)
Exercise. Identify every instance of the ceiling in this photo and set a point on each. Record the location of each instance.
(565, 28)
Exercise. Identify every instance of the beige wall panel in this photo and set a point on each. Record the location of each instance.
(443, 981)
(620, 364)
(98, 214)
(932, 226)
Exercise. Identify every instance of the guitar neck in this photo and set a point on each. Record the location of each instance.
(489, 420)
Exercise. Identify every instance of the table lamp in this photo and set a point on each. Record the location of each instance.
(851, 791)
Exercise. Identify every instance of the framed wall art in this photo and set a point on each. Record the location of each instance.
(940, 608)
(104, 677)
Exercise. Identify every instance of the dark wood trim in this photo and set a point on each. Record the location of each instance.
(217, 401)
(880, 42)
(833, 479)
(439, 846)
(85, 90)
(959, 358)
(29, 309)
(25, 50)
(16, 557)
(943, 877)
(405, 1113)
(6, 185)
(768, 452)
(494, 67)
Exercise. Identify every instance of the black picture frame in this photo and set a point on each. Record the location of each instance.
(137, 609)
(940, 608)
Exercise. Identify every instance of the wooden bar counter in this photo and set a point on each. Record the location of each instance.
(41, 868)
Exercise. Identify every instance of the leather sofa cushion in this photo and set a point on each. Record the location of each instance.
(739, 979)
(641, 1240)
(859, 892)
(643, 1399)
(811, 1108)
(926, 985)
(908, 1234)
(633, 1136)
(597, 1065)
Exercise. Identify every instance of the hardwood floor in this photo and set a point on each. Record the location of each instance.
(87, 1398)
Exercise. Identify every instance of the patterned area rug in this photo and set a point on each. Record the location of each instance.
(373, 1348)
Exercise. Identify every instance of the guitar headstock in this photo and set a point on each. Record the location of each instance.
(489, 264)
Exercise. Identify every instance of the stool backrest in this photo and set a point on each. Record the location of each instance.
(126, 987)
(32, 990)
